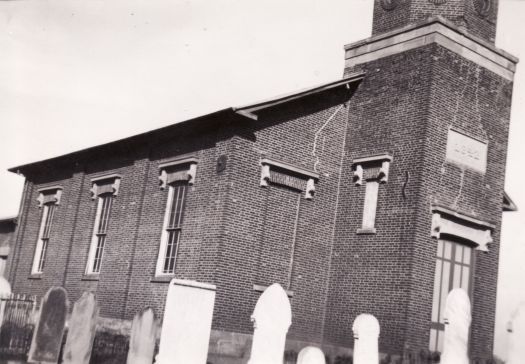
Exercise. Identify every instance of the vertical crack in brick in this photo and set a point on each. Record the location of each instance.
(318, 132)
(461, 183)
(460, 96)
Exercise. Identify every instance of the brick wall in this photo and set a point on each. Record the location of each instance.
(464, 13)
(405, 107)
(237, 234)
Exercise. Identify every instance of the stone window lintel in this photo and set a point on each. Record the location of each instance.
(48, 191)
(191, 161)
(444, 221)
(363, 162)
(96, 181)
(310, 176)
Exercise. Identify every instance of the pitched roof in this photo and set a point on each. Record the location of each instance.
(247, 111)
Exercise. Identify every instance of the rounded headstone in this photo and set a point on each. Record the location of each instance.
(5, 287)
(366, 334)
(311, 355)
(273, 308)
(457, 323)
(365, 325)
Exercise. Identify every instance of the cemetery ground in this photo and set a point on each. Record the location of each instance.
(54, 332)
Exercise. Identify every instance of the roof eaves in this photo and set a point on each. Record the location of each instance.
(19, 169)
(12, 219)
(251, 109)
(508, 204)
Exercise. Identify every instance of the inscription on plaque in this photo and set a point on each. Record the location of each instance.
(466, 151)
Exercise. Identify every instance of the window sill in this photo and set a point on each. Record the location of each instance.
(35, 276)
(90, 277)
(369, 231)
(162, 279)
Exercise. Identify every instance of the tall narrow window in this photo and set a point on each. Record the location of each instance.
(177, 195)
(42, 244)
(453, 270)
(104, 189)
(370, 207)
(372, 171)
(48, 199)
(100, 231)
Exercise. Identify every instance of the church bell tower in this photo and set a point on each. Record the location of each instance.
(477, 17)
(435, 103)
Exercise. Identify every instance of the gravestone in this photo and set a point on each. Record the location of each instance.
(186, 326)
(271, 318)
(366, 334)
(516, 351)
(5, 287)
(457, 322)
(47, 336)
(5, 292)
(81, 330)
(311, 355)
(143, 337)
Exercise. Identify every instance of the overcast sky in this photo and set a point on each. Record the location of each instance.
(78, 73)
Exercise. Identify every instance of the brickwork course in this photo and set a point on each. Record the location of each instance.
(241, 236)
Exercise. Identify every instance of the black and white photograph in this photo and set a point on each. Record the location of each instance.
(262, 182)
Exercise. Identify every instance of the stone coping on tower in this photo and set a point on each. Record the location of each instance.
(433, 30)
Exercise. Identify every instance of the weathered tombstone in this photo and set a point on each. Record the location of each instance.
(186, 326)
(366, 334)
(47, 337)
(457, 323)
(81, 331)
(271, 318)
(5, 292)
(143, 337)
(516, 351)
(311, 355)
(5, 287)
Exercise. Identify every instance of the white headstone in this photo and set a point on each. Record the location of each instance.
(81, 331)
(5, 291)
(271, 318)
(143, 337)
(186, 326)
(457, 322)
(311, 355)
(516, 329)
(5, 287)
(366, 334)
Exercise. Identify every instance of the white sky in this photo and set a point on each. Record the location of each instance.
(78, 73)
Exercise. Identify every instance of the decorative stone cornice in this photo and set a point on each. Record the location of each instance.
(178, 169)
(278, 172)
(380, 172)
(449, 222)
(434, 30)
(50, 194)
(104, 184)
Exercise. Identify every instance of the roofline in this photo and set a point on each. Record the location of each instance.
(508, 204)
(13, 219)
(249, 110)
(246, 111)
(18, 169)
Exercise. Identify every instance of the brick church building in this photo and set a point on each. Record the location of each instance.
(376, 193)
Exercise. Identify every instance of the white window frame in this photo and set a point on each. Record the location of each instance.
(96, 194)
(159, 270)
(36, 268)
(95, 237)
